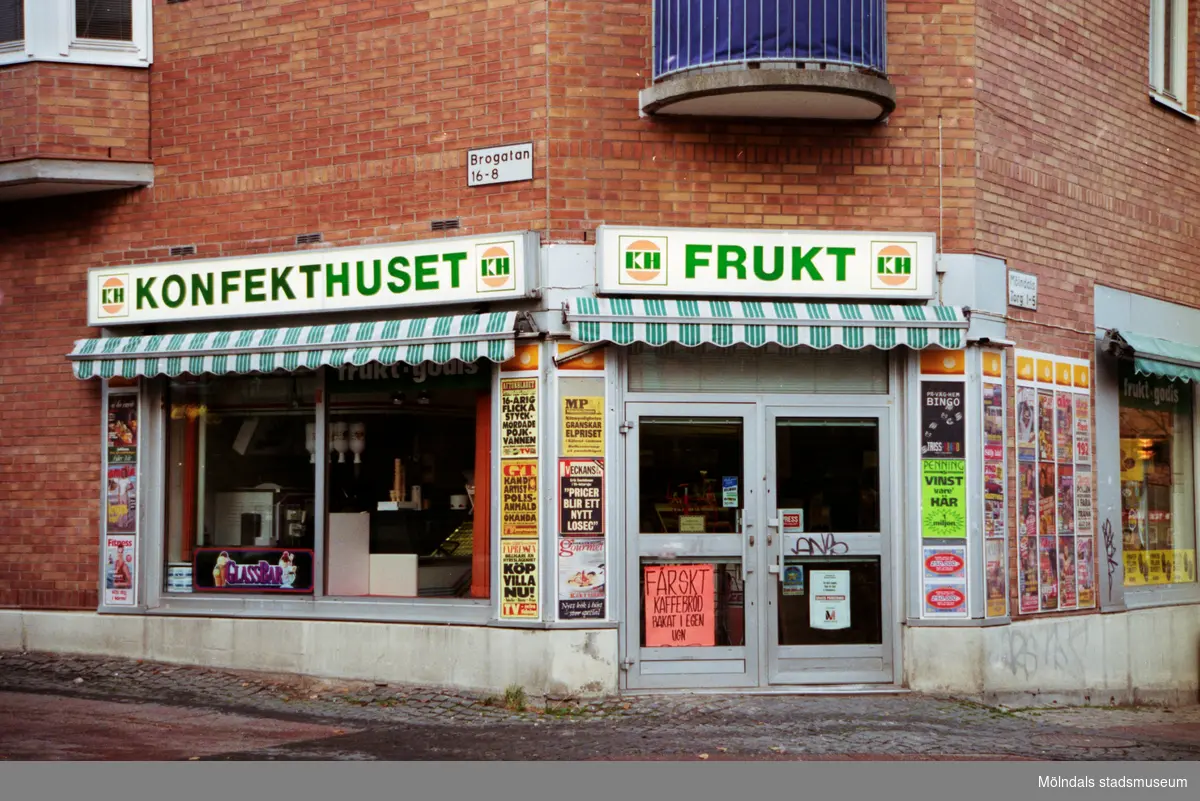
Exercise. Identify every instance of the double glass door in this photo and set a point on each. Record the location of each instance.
(757, 545)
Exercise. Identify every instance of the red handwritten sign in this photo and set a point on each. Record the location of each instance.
(679, 603)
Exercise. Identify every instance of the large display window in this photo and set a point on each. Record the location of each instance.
(408, 480)
(240, 491)
(1158, 480)
(406, 495)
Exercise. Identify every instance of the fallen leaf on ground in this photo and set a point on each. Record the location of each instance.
(703, 756)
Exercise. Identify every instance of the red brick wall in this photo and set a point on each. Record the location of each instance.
(270, 119)
(1082, 179)
(74, 111)
(610, 166)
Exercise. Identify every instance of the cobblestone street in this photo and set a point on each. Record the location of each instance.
(56, 707)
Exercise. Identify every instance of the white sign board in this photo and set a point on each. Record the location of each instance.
(426, 273)
(770, 264)
(500, 165)
(1022, 290)
(829, 607)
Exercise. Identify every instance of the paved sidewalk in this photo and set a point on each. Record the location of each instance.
(365, 721)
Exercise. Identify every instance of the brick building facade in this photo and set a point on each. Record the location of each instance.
(1023, 138)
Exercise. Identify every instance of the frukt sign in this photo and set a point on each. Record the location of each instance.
(814, 264)
(427, 273)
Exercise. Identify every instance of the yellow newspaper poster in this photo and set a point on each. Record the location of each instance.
(583, 426)
(519, 498)
(518, 417)
(519, 579)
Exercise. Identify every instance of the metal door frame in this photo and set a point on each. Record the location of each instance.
(825, 667)
(635, 655)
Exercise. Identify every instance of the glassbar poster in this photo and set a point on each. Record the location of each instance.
(121, 500)
(581, 578)
(518, 417)
(581, 497)
(519, 579)
(519, 498)
(269, 570)
(583, 426)
(1056, 566)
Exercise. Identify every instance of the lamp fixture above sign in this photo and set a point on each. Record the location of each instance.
(765, 263)
(426, 273)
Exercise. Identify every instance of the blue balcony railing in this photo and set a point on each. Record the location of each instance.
(708, 33)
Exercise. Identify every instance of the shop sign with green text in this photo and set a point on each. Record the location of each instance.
(766, 263)
(427, 273)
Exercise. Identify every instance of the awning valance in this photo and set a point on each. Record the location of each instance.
(1153, 356)
(756, 323)
(466, 338)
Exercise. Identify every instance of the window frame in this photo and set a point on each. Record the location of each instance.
(1177, 70)
(50, 36)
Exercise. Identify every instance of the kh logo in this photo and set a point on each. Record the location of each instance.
(496, 267)
(113, 296)
(643, 260)
(892, 265)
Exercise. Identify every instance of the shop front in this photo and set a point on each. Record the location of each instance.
(337, 463)
(765, 388)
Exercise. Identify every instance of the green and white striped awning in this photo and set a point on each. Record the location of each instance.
(464, 338)
(756, 323)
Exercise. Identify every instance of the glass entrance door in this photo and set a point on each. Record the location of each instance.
(826, 586)
(691, 520)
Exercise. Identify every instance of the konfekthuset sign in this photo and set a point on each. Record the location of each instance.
(425, 273)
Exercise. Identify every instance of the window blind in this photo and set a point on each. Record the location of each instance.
(104, 19)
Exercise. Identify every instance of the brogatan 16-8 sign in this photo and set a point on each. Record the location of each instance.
(431, 272)
(816, 264)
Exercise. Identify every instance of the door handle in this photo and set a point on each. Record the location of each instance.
(752, 540)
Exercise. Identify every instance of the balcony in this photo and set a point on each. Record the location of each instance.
(798, 59)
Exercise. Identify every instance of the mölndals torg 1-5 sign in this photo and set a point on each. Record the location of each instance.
(721, 263)
(424, 273)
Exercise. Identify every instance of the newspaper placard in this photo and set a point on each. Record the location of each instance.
(519, 498)
(519, 579)
(518, 417)
(581, 578)
(122, 429)
(583, 425)
(581, 497)
(120, 571)
(997, 581)
(944, 498)
(122, 499)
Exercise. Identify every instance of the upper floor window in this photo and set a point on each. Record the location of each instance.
(1168, 50)
(12, 20)
(104, 19)
(115, 32)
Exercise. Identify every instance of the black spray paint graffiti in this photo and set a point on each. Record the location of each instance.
(1110, 553)
(826, 545)
(1058, 649)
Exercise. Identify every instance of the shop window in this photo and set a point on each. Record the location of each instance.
(1169, 51)
(1158, 498)
(691, 475)
(12, 20)
(408, 480)
(104, 19)
(240, 500)
(108, 32)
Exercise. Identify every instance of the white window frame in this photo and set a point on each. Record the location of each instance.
(1177, 69)
(50, 36)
